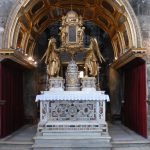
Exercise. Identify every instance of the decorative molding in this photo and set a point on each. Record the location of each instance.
(128, 56)
(17, 57)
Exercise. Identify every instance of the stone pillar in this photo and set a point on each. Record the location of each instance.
(114, 84)
(30, 87)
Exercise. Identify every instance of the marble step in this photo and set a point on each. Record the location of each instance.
(72, 148)
(11, 145)
(72, 142)
(72, 133)
(47, 143)
(121, 144)
(71, 136)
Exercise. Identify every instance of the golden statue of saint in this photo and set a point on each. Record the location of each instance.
(52, 59)
(91, 64)
(92, 57)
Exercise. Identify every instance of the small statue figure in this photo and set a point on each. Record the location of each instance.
(80, 21)
(52, 59)
(92, 57)
(81, 33)
(63, 20)
(63, 34)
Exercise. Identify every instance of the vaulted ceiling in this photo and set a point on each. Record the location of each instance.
(37, 15)
(29, 19)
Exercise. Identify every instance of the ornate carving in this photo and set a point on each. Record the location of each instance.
(72, 110)
(101, 110)
(44, 106)
(72, 80)
(56, 83)
(88, 83)
(72, 32)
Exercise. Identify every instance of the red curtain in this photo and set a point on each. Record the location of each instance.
(11, 90)
(135, 112)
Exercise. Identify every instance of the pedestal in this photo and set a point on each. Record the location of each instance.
(72, 77)
(56, 84)
(88, 83)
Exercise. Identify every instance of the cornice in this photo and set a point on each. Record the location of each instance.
(17, 57)
(128, 56)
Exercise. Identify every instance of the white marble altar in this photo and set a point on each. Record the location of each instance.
(72, 110)
(72, 119)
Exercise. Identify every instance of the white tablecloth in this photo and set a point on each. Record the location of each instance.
(72, 95)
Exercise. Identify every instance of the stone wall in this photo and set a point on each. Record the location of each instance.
(29, 93)
(142, 10)
(5, 7)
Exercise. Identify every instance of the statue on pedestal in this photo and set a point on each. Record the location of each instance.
(92, 57)
(52, 59)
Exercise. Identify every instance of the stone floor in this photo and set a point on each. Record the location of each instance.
(25, 134)
(122, 138)
(125, 139)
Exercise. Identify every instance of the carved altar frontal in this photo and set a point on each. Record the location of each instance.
(76, 110)
(73, 115)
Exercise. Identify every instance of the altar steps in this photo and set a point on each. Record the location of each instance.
(71, 143)
(93, 144)
(116, 145)
(80, 133)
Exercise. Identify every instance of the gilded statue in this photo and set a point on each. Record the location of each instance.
(80, 21)
(63, 34)
(63, 20)
(81, 33)
(52, 59)
(93, 56)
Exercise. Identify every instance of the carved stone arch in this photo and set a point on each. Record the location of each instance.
(134, 23)
(12, 23)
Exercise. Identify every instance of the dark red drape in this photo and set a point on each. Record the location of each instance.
(135, 97)
(11, 90)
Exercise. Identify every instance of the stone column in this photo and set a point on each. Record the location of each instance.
(114, 93)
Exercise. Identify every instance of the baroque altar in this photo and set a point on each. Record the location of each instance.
(72, 110)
